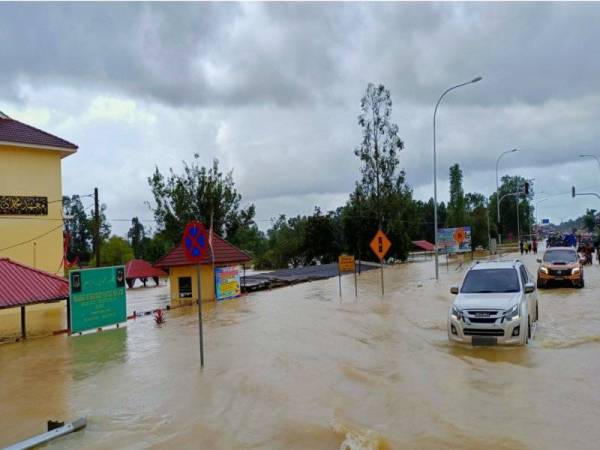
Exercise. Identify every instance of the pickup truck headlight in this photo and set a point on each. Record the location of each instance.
(457, 314)
(512, 313)
(575, 271)
(544, 270)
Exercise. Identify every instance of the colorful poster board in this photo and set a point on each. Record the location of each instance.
(454, 240)
(227, 282)
(97, 298)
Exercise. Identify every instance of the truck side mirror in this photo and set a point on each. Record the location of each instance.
(529, 288)
(454, 290)
(539, 261)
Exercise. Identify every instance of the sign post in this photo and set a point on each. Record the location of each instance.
(96, 298)
(380, 246)
(194, 243)
(346, 264)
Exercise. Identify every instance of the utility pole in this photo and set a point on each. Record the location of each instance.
(96, 228)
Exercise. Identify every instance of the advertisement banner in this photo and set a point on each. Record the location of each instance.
(454, 240)
(97, 298)
(227, 282)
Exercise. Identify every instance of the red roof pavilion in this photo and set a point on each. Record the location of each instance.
(21, 285)
(425, 245)
(138, 268)
(224, 253)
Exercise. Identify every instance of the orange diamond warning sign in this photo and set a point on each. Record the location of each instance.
(380, 245)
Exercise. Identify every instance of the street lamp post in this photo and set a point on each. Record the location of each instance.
(591, 156)
(435, 216)
(498, 191)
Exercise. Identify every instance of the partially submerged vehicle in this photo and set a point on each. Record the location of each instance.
(560, 264)
(496, 304)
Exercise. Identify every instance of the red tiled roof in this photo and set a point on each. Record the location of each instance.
(138, 268)
(23, 285)
(425, 245)
(14, 131)
(224, 253)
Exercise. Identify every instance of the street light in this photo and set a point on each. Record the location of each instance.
(435, 216)
(498, 190)
(591, 156)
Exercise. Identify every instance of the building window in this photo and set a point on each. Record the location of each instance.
(185, 287)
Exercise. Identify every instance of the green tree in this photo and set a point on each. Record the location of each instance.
(155, 247)
(589, 219)
(380, 145)
(457, 214)
(136, 236)
(320, 244)
(381, 198)
(285, 244)
(508, 206)
(114, 251)
(76, 224)
(477, 213)
(199, 193)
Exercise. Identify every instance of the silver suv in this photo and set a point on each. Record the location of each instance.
(496, 304)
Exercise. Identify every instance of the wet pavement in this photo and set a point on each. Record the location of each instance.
(300, 368)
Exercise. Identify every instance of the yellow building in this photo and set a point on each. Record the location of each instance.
(31, 227)
(183, 275)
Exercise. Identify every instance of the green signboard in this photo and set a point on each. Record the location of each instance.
(97, 298)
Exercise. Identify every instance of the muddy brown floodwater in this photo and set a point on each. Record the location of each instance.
(298, 368)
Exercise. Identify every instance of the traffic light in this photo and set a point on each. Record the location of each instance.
(573, 191)
(526, 188)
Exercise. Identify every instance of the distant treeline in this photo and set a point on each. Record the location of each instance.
(381, 199)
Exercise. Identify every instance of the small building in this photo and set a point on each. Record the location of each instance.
(182, 274)
(31, 227)
(138, 269)
(22, 286)
(424, 245)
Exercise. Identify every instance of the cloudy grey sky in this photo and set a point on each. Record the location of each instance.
(273, 91)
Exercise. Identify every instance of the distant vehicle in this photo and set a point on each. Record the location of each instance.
(496, 304)
(560, 264)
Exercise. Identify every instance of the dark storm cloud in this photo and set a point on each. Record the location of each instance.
(203, 54)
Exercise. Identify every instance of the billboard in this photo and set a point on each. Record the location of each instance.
(227, 282)
(97, 298)
(454, 240)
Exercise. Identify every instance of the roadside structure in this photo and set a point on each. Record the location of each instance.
(142, 270)
(182, 274)
(31, 227)
(22, 286)
(424, 245)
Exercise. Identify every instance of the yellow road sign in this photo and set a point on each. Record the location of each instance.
(380, 245)
(346, 263)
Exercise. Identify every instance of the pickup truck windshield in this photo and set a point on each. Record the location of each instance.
(491, 281)
(564, 256)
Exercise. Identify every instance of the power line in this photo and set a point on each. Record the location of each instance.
(37, 237)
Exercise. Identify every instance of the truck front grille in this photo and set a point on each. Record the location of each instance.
(483, 332)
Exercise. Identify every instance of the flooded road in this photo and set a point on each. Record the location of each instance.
(300, 368)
